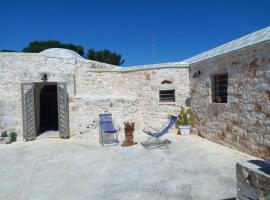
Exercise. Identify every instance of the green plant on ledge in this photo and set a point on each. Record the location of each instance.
(185, 117)
(13, 137)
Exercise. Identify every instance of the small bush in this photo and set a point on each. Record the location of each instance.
(13, 137)
(4, 134)
(185, 117)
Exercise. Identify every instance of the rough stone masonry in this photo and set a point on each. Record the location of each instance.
(253, 180)
(130, 94)
(244, 121)
(133, 93)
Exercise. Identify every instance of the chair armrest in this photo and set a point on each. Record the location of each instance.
(151, 129)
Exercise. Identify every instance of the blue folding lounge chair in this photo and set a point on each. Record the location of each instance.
(108, 134)
(156, 135)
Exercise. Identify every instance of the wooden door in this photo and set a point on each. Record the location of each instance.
(28, 111)
(63, 115)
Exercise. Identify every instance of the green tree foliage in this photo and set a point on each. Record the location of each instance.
(105, 56)
(7, 50)
(38, 46)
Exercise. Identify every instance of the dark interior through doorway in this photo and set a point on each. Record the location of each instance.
(48, 109)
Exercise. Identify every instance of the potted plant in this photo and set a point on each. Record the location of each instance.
(5, 139)
(184, 120)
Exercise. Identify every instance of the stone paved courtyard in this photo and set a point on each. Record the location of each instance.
(192, 168)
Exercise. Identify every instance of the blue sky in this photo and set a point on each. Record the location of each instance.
(181, 28)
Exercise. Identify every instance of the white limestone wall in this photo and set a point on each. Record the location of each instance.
(138, 89)
(92, 88)
(85, 110)
(16, 68)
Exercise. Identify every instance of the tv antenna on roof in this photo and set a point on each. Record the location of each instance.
(152, 37)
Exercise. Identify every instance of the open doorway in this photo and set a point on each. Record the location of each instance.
(46, 108)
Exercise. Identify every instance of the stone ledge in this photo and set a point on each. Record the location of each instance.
(253, 180)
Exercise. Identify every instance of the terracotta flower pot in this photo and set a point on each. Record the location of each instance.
(129, 129)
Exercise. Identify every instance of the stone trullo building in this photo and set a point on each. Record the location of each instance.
(228, 88)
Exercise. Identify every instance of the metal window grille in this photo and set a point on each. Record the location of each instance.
(219, 88)
(167, 95)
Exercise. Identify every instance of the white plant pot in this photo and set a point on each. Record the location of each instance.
(184, 130)
(5, 140)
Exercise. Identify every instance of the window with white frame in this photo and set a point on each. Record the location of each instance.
(167, 95)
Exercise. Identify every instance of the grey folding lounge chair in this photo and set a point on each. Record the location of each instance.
(108, 134)
(154, 140)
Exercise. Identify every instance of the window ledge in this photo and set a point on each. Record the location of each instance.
(218, 105)
(215, 103)
(166, 103)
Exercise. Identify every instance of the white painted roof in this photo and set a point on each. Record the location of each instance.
(259, 36)
(160, 65)
(59, 52)
(143, 67)
(245, 41)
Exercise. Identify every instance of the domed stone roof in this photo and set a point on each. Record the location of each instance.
(59, 52)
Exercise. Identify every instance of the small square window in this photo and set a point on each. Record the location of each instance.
(219, 88)
(167, 95)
